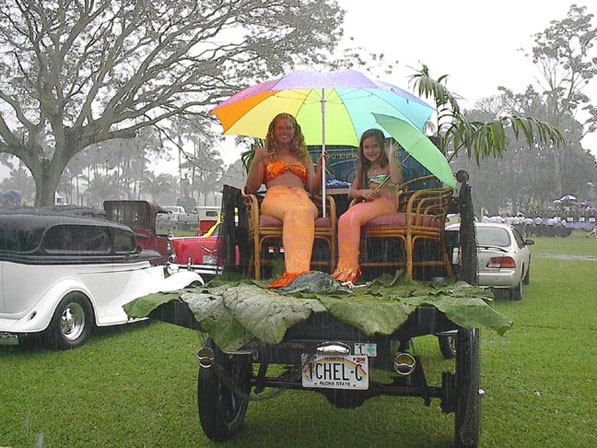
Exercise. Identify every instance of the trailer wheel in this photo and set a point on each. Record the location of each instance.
(447, 345)
(222, 411)
(468, 399)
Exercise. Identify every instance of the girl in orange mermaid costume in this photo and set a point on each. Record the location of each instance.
(286, 169)
(375, 185)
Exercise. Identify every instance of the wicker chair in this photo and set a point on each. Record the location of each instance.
(263, 228)
(421, 215)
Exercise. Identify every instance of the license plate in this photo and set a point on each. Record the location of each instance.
(210, 259)
(336, 372)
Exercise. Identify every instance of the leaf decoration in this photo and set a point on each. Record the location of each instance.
(267, 314)
(143, 306)
(372, 316)
(235, 312)
(468, 312)
(213, 316)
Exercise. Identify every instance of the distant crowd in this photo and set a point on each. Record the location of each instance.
(538, 226)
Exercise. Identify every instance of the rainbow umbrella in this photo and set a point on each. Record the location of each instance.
(331, 108)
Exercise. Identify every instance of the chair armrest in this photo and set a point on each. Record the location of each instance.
(427, 206)
(252, 204)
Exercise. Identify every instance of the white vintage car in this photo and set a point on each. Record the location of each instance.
(61, 274)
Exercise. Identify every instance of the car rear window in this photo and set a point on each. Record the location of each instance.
(77, 239)
(20, 240)
(493, 236)
(124, 242)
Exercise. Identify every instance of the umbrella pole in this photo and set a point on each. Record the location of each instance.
(323, 151)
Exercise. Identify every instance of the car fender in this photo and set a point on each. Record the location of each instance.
(179, 280)
(38, 317)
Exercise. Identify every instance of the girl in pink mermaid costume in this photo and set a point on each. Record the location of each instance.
(286, 169)
(375, 185)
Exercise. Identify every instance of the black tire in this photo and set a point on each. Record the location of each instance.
(468, 399)
(222, 411)
(501, 293)
(516, 292)
(71, 323)
(447, 345)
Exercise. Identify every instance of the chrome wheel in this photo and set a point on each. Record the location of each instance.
(72, 321)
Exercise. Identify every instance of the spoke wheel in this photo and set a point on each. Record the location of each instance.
(447, 345)
(222, 410)
(468, 398)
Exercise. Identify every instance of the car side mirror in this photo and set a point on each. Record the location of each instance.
(529, 242)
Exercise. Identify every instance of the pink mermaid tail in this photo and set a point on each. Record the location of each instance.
(349, 234)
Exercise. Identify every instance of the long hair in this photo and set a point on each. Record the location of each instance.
(297, 145)
(363, 163)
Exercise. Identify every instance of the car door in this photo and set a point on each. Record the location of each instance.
(523, 254)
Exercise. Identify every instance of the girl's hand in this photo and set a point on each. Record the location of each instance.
(370, 194)
(391, 149)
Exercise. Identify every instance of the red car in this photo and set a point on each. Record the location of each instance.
(197, 253)
(141, 217)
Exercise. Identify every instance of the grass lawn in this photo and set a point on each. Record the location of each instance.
(135, 386)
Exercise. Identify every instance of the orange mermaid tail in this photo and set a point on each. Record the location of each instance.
(298, 213)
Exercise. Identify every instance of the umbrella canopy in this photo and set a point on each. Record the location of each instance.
(344, 114)
(568, 197)
(418, 146)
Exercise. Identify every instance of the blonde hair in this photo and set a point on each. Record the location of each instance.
(297, 145)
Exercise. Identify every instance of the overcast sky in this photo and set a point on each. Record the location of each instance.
(475, 42)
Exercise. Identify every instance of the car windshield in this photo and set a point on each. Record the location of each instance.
(493, 236)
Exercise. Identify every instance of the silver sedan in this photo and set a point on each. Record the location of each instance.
(504, 258)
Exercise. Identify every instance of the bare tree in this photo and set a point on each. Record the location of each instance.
(79, 72)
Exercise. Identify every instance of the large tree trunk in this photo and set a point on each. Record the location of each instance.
(47, 176)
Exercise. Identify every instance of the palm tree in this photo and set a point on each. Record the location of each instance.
(156, 184)
(480, 139)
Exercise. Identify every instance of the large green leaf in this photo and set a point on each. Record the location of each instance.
(372, 316)
(233, 313)
(467, 312)
(267, 314)
(143, 306)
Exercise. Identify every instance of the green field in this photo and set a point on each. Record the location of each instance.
(135, 386)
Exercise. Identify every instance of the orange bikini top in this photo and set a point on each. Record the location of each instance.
(279, 167)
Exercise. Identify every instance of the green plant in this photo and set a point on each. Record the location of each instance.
(480, 139)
